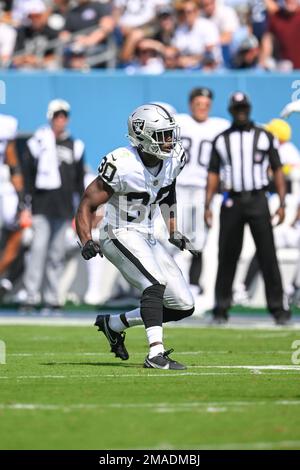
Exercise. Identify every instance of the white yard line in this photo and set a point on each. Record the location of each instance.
(209, 407)
(256, 369)
(178, 353)
(232, 446)
(89, 321)
(104, 376)
(268, 367)
(34, 321)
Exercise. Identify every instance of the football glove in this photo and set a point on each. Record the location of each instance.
(91, 249)
(182, 242)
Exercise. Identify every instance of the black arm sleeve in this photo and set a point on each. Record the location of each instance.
(274, 158)
(170, 200)
(215, 159)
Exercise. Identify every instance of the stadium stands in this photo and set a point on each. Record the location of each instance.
(208, 34)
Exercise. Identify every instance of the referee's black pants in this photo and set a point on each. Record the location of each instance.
(251, 208)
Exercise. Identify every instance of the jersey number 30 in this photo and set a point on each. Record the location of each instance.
(203, 151)
(107, 170)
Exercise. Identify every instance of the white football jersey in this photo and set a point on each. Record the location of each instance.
(137, 192)
(197, 140)
(8, 131)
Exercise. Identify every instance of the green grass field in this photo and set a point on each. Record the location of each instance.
(61, 389)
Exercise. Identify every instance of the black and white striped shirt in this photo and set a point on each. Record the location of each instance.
(242, 157)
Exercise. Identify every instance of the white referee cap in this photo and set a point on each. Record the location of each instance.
(57, 105)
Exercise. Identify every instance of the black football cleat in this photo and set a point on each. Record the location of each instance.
(162, 361)
(219, 317)
(282, 318)
(116, 340)
(219, 320)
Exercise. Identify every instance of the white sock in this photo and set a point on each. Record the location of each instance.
(155, 335)
(155, 350)
(133, 318)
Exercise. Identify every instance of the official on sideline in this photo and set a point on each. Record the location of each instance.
(241, 157)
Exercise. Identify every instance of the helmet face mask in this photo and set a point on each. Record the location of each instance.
(153, 130)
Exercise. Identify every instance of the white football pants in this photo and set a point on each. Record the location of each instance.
(143, 261)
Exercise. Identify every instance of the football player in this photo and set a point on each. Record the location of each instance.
(8, 154)
(11, 199)
(198, 130)
(134, 181)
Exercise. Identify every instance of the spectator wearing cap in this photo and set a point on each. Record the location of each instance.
(195, 36)
(283, 35)
(247, 54)
(32, 50)
(75, 58)
(54, 175)
(148, 58)
(240, 159)
(166, 23)
(19, 12)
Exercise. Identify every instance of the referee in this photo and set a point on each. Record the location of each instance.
(240, 158)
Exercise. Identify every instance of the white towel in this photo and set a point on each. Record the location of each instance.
(42, 146)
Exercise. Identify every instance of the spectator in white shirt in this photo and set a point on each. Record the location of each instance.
(224, 17)
(136, 20)
(136, 13)
(7, 43)
(195, 36)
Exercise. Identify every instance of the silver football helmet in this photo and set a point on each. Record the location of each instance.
(153, 129)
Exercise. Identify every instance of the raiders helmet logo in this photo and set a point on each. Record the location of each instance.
(138, 126)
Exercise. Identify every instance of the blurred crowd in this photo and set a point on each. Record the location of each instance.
(150, 36)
